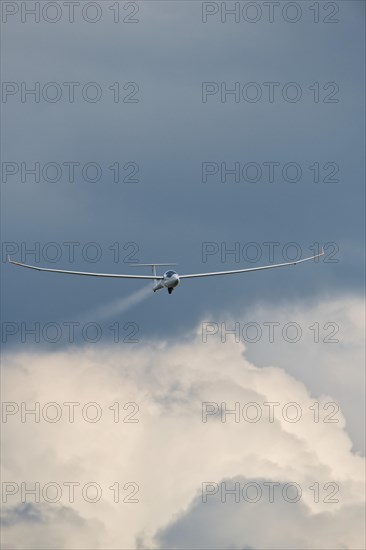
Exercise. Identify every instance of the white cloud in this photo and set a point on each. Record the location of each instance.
(328, 357)
(170, 452)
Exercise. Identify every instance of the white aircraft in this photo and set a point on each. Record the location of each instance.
(170, 279)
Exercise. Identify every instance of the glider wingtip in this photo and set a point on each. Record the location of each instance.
(12, 261)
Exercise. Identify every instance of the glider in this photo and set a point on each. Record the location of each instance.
(170, 279)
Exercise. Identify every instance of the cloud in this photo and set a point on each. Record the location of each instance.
(263, 525)
(163, 459)
(320, 342)
(46, 526)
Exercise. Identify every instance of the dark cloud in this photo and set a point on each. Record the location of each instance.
(170, 213)
(22, 513)
(48, 526)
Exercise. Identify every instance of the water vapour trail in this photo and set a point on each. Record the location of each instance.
(121, 305)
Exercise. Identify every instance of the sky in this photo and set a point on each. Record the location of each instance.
(178, 131)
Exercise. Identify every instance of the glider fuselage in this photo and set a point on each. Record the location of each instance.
(170, 281)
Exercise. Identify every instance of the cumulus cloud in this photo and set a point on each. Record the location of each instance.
(277, 525)
(163, 459)
(320, 343)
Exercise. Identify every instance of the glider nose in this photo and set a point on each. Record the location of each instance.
(172, 281)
